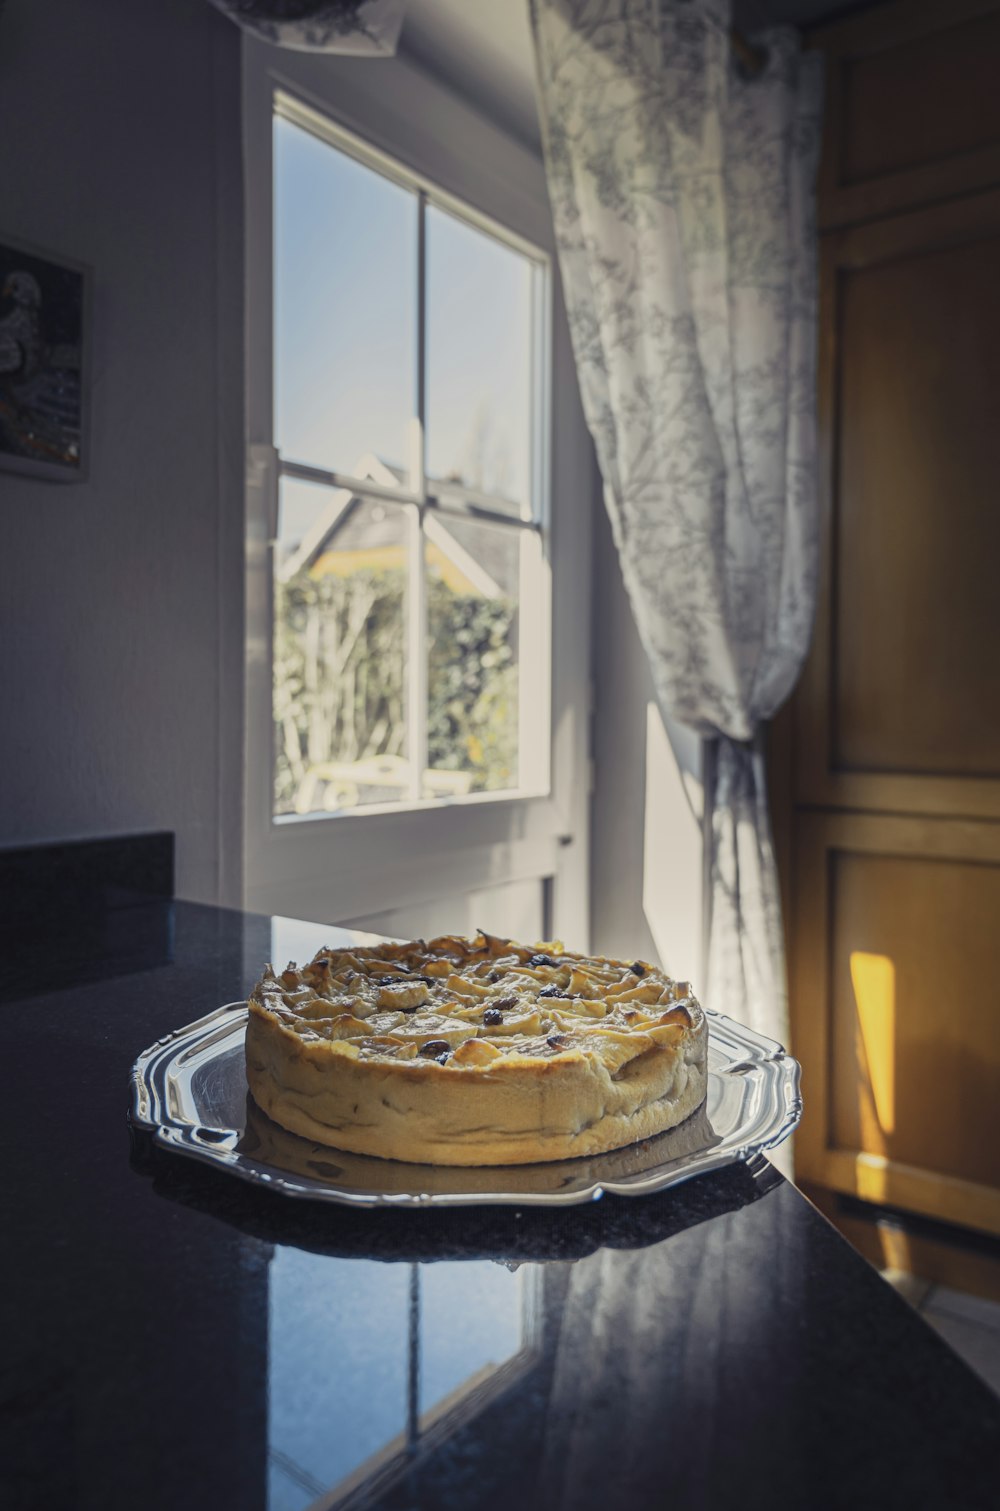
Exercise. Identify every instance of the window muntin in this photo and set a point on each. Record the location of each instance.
(430, 354)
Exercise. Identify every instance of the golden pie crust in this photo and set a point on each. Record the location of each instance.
(475, 1051)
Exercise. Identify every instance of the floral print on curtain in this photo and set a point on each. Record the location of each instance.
(683, 199)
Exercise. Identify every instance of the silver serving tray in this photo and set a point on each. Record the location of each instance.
(189, 1091)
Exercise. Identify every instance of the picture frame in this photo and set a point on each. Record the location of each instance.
(45, 303)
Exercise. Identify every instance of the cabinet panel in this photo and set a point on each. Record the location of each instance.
(917, 640)
(899, 705)
(886, 123)
(913, 112)
(896, 1010)
(915, 1016)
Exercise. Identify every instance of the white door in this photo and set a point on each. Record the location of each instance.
(420, 486)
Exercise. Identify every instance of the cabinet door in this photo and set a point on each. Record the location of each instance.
(888, 777)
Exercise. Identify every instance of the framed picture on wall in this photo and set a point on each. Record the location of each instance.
(44, 336)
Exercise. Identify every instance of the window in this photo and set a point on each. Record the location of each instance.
(419, 493)
(371, 1365)
(410, 637)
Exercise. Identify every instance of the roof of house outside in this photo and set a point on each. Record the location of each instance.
(353, 531)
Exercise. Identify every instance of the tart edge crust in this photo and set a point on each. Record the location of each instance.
(421, 1115)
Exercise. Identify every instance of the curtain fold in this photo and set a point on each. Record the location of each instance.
(683, 201)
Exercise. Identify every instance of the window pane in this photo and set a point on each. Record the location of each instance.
(340, 654)
(472, 675)
(470, 1315)
(479, 340)
(337, 1370)
(345, 259)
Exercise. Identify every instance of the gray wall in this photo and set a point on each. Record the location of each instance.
(121, 599)
(646, 855)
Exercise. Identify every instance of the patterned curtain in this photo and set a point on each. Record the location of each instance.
(683, 200)
(367, 28)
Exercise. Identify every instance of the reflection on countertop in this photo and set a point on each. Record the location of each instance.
(172, 1338)
(270, 1144)
(437, 1345)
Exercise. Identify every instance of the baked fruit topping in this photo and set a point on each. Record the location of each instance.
(475, 1051)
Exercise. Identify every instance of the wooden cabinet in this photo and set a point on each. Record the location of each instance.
(891, 776)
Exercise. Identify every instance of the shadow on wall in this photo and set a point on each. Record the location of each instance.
(672, 848)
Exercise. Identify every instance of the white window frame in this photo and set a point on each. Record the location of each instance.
(346, 867)
(424, 497)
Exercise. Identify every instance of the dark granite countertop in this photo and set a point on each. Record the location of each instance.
(171, 1338)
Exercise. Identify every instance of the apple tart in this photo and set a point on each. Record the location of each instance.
(474, 1051)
